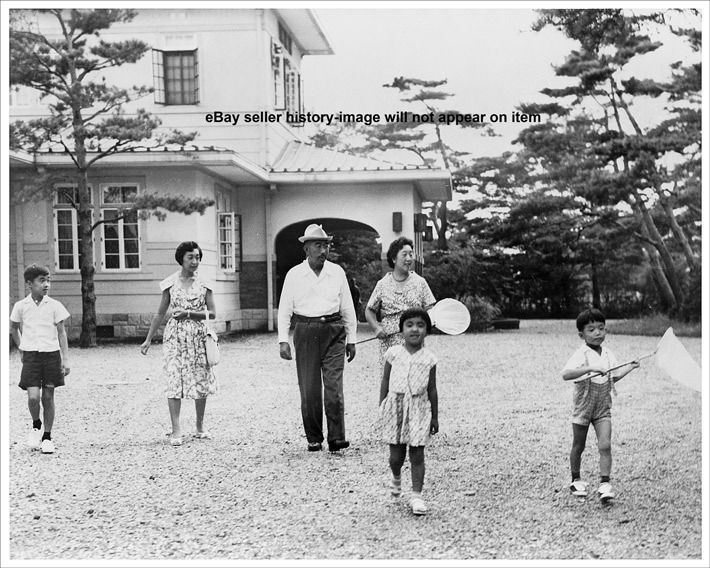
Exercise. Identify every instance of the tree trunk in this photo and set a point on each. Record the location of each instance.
(679, 234)
(663, 252)
(88, 295)
(596, 295)
(664, 287)
(442, 243)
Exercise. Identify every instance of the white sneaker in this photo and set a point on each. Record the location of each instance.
(606, 493)
(579, 488)
(418, 506)
(47, 447)
(34, 438)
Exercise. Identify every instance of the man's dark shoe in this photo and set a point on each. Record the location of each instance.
(336, 445)
(315, 446)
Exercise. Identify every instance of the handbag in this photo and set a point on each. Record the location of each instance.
(211, 343)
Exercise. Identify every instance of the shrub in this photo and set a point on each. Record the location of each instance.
(482, 311)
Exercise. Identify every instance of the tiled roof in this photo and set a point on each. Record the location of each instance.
(299, 157)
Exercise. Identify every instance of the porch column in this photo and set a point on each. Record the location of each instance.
(269, 258)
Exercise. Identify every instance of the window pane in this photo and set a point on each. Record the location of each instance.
(131, 246)
(64, 232)
(120, 193)
(132, 261)
(111, 246)
(112, 261)
(65, 247)
(66, 262)
(130, 231)
(64, 217)
(111, 232)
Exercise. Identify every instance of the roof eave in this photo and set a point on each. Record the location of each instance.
(432, 185)
(294, 19)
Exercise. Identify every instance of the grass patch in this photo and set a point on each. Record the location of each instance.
(655, 325)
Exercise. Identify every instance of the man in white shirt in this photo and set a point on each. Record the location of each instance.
(317, 298)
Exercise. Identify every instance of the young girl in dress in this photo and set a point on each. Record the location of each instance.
(409, 404)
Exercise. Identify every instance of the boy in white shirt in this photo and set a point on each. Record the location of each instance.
(589, 368)
(44, 352)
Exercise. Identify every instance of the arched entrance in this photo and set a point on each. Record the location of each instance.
(357, 247)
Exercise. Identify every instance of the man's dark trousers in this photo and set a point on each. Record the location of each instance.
(320, 351)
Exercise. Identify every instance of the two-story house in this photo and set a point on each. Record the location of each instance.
(267, 184)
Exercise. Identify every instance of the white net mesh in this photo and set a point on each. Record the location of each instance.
(450, 316)
(673, 359)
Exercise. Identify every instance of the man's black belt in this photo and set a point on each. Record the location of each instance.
(321, 319)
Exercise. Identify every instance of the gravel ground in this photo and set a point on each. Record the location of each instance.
(497, 473)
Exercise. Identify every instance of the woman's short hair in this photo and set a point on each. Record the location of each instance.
(184, 248)
(396, 246)
(415, 313)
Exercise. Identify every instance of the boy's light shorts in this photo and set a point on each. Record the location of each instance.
(41, 369)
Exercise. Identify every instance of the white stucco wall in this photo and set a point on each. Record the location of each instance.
(234, 74)
(291, 204)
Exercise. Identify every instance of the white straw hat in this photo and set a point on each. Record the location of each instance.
(314, 233)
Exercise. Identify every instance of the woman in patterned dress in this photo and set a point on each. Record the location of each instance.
(396, 292)
(188, 375)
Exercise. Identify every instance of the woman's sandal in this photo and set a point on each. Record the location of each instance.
(395, 487)
(205, 435)
(174, 440)
(418, 506)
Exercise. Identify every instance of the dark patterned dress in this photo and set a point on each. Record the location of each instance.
(392, 300)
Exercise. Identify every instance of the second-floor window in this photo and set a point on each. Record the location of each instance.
(176, 77)
(292, 89)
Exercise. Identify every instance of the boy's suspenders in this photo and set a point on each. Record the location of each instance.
(589, 380)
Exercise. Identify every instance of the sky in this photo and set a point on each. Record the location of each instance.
(491, 59)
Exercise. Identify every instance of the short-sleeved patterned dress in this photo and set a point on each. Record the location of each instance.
(392, 298)
(188, 375)
(405, 413)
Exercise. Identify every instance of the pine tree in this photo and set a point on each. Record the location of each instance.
(634, 158)
(86, 121)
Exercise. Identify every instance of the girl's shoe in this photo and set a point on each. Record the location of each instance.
(174, 440)
(606, 493)
(47, 447)
(396, 487)
(578, 488)
(418, 506)
(204, 435)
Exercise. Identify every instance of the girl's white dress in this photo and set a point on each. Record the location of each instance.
(405, 413)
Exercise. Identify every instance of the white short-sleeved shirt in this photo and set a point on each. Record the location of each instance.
(585, 356)
(39, 323)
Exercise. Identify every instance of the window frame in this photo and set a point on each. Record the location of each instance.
(160, 80)
(75, 239)
(104, 207)
(235, 242)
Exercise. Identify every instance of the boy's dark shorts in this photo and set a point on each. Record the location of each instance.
(41, 369)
